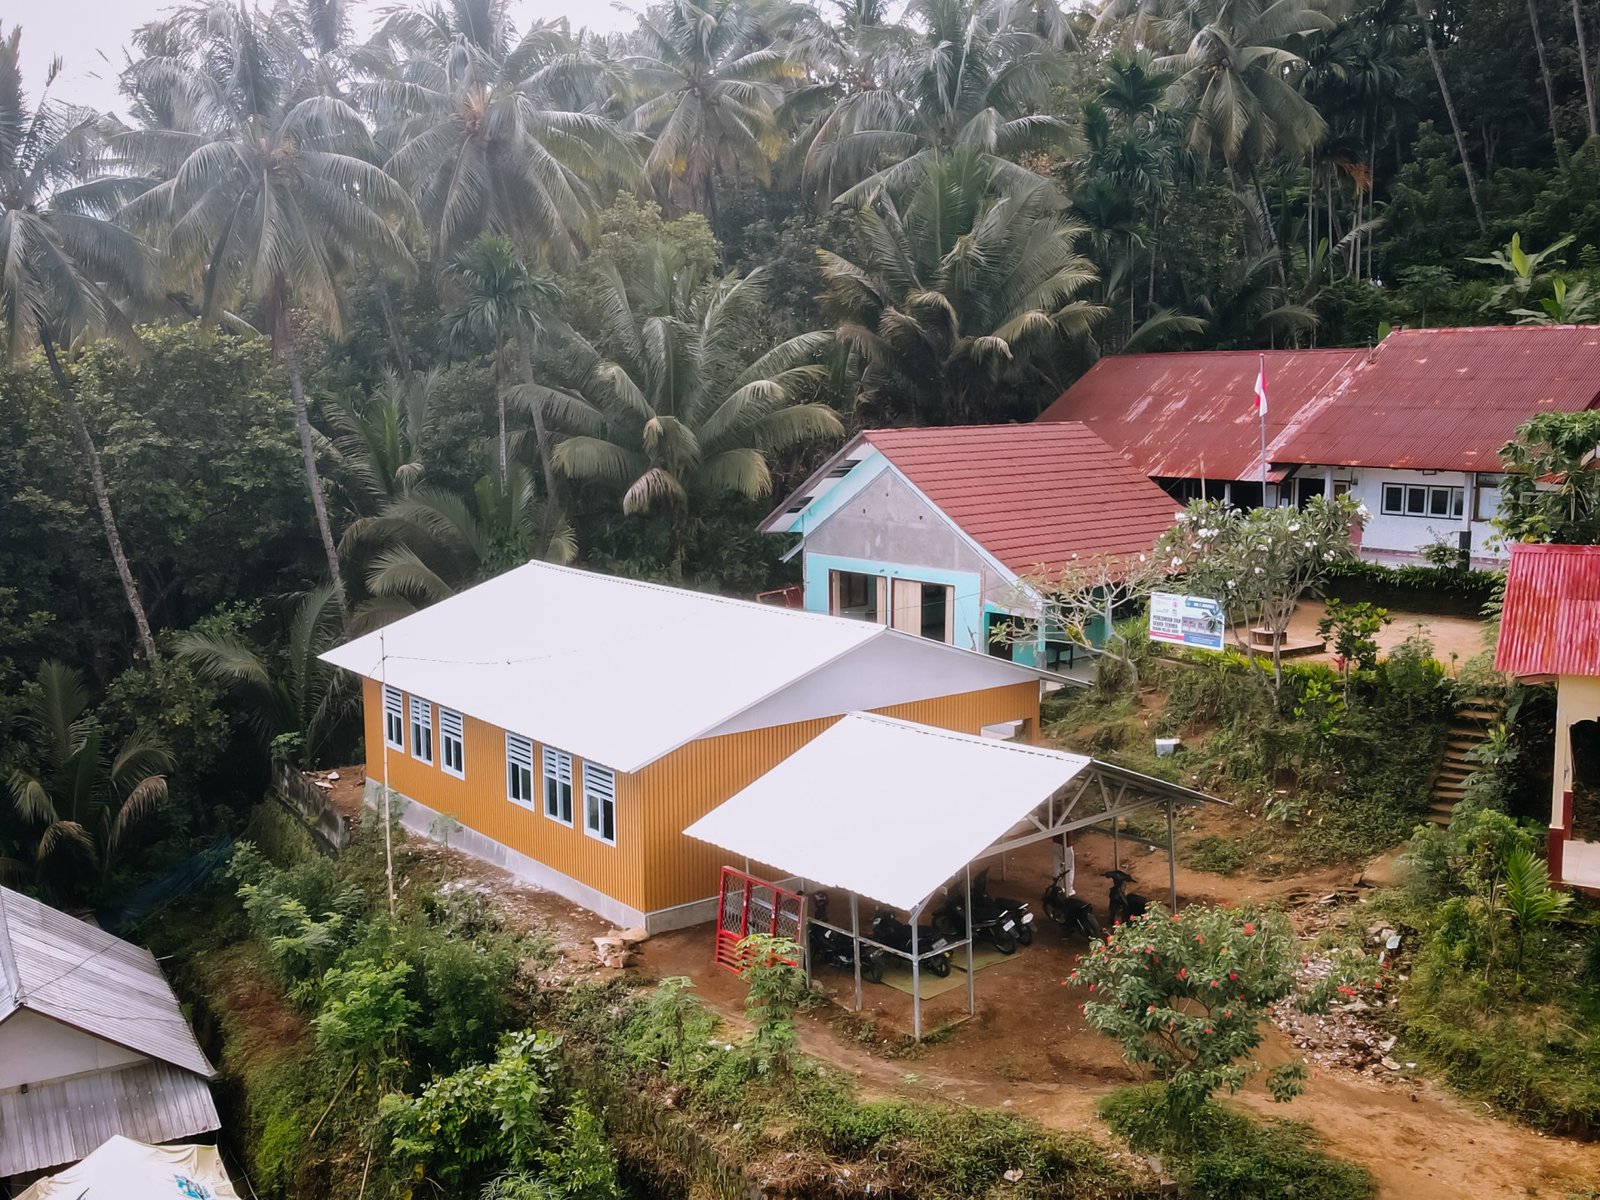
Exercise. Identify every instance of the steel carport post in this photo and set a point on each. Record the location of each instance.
(972, 1002)
(916, 975)
(855, 941)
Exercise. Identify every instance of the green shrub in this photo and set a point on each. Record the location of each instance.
(304, 914)
(366, 1016)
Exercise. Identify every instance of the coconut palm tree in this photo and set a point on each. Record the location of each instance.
(685, 411)
(471, 116)
(705, 86)
(503, 303)
(66, 264)
(441, 542)
(81, 798)
(976, 77)
(295, 701)
(1232, 76)
(963, 295)
(268, 189)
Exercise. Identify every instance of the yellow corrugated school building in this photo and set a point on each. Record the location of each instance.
(575, 724)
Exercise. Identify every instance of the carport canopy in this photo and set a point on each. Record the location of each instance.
(891, 810)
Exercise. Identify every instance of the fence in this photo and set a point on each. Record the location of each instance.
(293, 791)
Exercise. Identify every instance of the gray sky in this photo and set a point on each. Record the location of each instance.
(90, 37)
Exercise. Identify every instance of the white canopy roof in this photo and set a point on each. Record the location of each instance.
(623, 672)
(123, 1169)
(885, 808)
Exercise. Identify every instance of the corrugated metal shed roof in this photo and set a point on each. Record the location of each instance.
(1550, 624)
(1032, 495)
(86, 978)
(545, 651)
(1448, 399)
(68, 1119)
(1188, 415)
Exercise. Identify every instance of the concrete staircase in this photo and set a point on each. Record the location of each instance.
(1468, 728)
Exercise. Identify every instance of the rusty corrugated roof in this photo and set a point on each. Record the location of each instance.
(1190, 415)
(1551, 621)
(1032, 495)
(1447, 399)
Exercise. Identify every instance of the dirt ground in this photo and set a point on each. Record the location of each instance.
(1461, 637)
(1028, 1049)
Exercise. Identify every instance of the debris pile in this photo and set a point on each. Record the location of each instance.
(1350, 1035)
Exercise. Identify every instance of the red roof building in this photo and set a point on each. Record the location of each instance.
(938, 530)
(1550, 632)
(1550, 625)
(1192, 415)
(1032, 495)
(1446, 399)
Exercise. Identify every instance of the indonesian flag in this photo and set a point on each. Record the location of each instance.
(1261, 388)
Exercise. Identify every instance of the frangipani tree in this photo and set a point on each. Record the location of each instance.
(1084, 594)
(1259, 563)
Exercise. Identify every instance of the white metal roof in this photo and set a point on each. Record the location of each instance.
(84, 977)
(623, 672)
(885, 808)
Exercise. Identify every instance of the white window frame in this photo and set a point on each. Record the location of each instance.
(599, 793)
(420, 721)
(394, 719)
(452, 735)
(555, 770)
(519, 757)
(1455, 501)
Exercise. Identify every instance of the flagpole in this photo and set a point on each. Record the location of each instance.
(1261, 409)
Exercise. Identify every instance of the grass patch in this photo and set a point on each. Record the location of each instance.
(1231, 1156)
(1216, 855)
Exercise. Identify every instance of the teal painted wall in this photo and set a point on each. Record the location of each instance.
(964, 587)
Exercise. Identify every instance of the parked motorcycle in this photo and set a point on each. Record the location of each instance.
(1070, 911)
(892, 931)
(837, 949)
(1019, 909)
(1124, 905)
(995, 922)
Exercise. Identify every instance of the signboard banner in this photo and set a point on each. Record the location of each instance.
(1193, 621)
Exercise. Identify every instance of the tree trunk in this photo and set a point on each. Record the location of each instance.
(308, 454)
(391, 320)
(1450, 111)
(500, 402)
(541, 435)
(1544, 66)
(102, 498)
(1583, 63)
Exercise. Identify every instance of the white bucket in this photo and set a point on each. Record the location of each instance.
(1165, 746)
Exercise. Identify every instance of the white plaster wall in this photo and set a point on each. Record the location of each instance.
(1405, 535)
(36, 1049)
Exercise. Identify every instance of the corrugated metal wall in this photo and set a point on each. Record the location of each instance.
(688, 783)
(479, 802)
(652, 866)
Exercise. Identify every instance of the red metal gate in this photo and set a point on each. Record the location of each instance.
(749, 905)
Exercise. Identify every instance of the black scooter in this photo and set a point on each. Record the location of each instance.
(1021, 910)
(825, 945)
(989, 918)
(892, 931)
(1072, 912)
(1124, 905)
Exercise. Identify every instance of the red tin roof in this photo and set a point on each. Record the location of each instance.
(1193, 414)
(1032, 495)
(1551, 621)
(1448, 399)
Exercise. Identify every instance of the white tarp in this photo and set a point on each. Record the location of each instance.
(886, 809)
(123, 1169)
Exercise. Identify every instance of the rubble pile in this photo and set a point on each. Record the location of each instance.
(1351, 1034)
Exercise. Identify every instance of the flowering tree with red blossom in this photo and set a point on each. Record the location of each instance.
(1186, 993)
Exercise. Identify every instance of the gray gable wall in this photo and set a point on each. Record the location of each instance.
(889, 522)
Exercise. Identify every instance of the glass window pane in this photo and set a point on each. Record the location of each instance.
(1438, 502)
(1393, 498)
(1416, 501)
